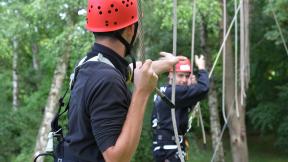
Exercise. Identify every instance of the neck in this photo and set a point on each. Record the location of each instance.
(113, 44)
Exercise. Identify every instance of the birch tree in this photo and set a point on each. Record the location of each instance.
(15, 74)
(52, 102)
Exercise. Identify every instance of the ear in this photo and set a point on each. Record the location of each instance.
(131, 29)
(128, 32)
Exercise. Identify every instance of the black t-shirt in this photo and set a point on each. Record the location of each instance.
(99, 103)
(185, 97)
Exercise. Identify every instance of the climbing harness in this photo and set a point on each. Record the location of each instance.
(56, 133)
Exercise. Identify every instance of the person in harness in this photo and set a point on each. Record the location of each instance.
(188, 92)
(104, 117)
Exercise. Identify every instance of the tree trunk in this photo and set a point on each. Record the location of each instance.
(52, 102)
(237, 128)
(236, 125)
(215, 127)
(15, 75)
(34, 56)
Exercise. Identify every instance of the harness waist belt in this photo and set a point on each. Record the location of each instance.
(167, 138)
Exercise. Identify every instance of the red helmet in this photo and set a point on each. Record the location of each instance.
(111, 15)
(183, 66)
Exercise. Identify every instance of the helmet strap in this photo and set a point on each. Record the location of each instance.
(134, 67)
(125, 42)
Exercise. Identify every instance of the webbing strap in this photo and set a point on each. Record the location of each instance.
(55, 127)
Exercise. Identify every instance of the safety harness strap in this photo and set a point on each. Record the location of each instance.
(56, 129)
(54, 124)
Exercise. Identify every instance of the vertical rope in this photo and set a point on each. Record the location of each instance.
(224, 60)
(242, 58)
(229, 114)
(236, 59)
(221, 135)
(197, 107)
(141, 55)
(173, 81)
(193, 35)
(202, 125)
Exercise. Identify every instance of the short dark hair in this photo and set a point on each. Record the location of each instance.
(108, 34)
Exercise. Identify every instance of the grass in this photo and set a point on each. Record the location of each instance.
(260, 149)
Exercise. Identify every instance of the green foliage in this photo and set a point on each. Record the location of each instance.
(49, 25)
(265, 117)
(16, 133)
(280, 9)
(267, 99)
(144, 151)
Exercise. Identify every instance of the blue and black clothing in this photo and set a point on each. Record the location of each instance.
(98, 107)
(164, 146)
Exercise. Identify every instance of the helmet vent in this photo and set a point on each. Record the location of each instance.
(110, 15)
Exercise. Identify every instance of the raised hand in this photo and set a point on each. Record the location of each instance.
(200, 62)
(166, 62)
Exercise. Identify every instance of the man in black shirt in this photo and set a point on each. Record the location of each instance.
(187, 93)
(105, 118)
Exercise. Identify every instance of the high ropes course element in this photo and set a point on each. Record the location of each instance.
(226, 33)
(222, 48)
(171, 104)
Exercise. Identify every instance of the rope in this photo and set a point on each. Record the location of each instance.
(221, 48)
(173, 116)
(202, 125)
(197, 107)
(222, 132)
(141, 33)
(141, 52)
(224, 61)
(224, 40)
(242, 58)
(236, 59)
(193, 35)
(280, 30)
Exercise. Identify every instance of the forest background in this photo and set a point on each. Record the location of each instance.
(35, 34)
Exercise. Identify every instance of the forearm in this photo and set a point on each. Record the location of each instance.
(161, 66)
(203, 80)
(129, 137)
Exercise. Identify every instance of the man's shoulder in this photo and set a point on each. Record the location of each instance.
(101, 70)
